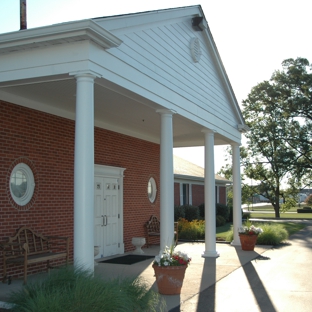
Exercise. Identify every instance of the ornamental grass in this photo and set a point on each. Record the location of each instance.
(76, 290)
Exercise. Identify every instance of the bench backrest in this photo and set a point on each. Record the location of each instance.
(36, 243)
(153, 225)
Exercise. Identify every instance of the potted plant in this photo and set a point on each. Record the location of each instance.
(169, 267)
(248, 235)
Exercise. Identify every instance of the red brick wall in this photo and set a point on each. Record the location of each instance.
(177, 194)
(141, 160)
(222, 195)
(46, 144)
(198, 194)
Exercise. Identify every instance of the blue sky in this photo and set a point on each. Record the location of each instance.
(253, 37)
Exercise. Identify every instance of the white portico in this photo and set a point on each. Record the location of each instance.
(155, 76)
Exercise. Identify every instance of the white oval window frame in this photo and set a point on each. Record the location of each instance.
(153, 192)
(26, 198)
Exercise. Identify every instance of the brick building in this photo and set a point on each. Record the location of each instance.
(189, 182)
(90, 112)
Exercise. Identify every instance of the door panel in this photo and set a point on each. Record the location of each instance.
(106, 216)
(98, 215)
(111, 217)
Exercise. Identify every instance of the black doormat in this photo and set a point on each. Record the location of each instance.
(128, 259)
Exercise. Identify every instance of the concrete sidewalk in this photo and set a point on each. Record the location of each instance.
(280, 279)
(267, 279)
(201, 273)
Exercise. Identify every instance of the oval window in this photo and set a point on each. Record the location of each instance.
(151, 190)
(22, 184)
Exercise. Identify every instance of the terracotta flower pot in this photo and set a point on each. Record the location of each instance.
(248, 242)
(169, 279)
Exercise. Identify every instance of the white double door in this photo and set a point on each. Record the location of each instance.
(106, 214)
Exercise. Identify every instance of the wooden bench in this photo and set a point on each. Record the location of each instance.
(153, 229)
(27, 247)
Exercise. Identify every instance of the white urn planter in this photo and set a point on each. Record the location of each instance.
(138, 242)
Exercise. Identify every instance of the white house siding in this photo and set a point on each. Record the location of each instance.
(160, 52)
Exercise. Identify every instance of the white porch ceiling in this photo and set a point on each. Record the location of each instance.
(115, 108)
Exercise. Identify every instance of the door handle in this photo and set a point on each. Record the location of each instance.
(102, 220)
(105, 219)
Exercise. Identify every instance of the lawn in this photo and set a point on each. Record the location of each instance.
(258, 215)
(256, 212)
(291, 228)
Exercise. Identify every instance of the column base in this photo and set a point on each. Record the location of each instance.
(235, 243)
(210, 254)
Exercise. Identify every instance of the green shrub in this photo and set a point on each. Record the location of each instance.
(193, 230)
(191, 212)
(230, 213)
(223, 210)
(245, 215)
(230, 235)
(201, 208)
(290, 203)
(69, 289)
(187, 230)
(273, 234)
(179, 212)
(220, 221)
(308, 200)
(200, 228)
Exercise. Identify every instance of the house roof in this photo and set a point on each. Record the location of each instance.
(184, 168)
(143, 62)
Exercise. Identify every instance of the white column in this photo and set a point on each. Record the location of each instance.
(181, 194)
(218, 194)
(190, 194)
(84, 173)
(237, 207)
(166, 179)
(210, 200)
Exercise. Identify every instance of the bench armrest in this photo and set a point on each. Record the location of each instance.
(7, 244)
(9, 252)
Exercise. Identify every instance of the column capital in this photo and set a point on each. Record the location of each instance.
(209, 131)
(85, 73)
(236, 144)
(163, 111)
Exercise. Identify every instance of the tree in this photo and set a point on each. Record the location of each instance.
(295, 85)
(269, 158)
(279, 144)
(247, 189)
(308, 200)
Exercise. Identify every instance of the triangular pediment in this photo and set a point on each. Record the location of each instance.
(181, 61)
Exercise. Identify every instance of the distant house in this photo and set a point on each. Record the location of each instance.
(189, 180)
(257, 198)
(307, 192)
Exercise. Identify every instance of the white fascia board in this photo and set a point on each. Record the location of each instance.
(243, 128)
(186, 178)
(223, 73)
(58, 34)
(125, 22)
(225, 77)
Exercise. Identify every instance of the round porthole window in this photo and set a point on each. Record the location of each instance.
(151, 190)
(22, 184)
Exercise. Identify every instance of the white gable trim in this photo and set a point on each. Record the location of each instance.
(58, 34)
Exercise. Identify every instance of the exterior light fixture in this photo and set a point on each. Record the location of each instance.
(198, 23)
